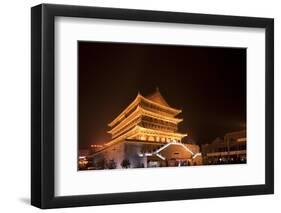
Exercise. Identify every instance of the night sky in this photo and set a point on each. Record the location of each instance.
(207, 83)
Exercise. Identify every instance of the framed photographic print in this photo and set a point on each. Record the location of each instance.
(140, 106)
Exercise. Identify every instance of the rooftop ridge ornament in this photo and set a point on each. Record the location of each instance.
(158, 98)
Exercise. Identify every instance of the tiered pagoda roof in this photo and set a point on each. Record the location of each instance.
(148, 118)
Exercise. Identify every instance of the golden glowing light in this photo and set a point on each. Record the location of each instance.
(146, 119)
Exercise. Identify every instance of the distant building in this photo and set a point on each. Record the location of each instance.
(231, 149)
(96, 148)
(146, 134)
(83, 162)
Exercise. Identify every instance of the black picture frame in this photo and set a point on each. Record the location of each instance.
(43, 111)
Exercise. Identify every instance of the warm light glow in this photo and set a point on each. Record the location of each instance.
(148, 124)
(137, 131)
(96, 146)
(137, 100)
(155, 122)
(241, 139)
(150, 138)
(138, 113)
(143, 137)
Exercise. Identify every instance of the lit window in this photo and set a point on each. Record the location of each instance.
(143, 138)
(150, 138)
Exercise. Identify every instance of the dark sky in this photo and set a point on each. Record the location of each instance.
(207, 83)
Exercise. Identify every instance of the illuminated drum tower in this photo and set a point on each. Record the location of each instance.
(146, 135)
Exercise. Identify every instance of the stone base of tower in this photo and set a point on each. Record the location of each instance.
(143, 154)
